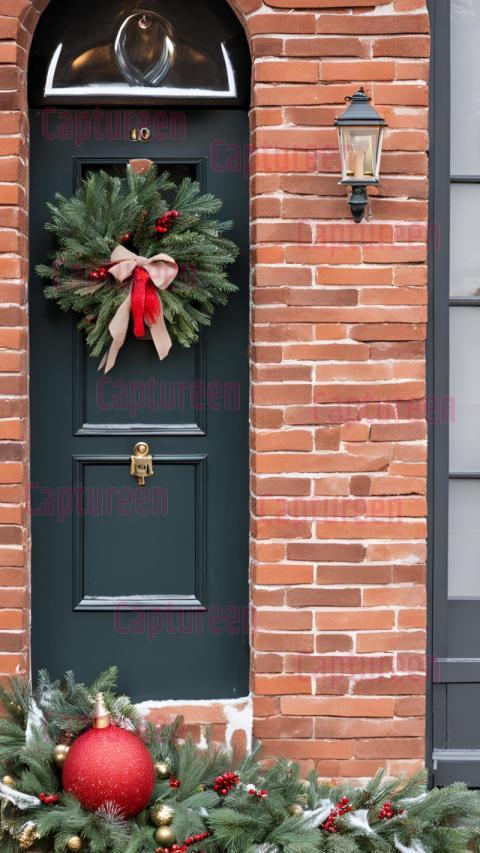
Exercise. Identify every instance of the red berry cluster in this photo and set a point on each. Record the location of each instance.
(182, 848)
(49, 799)
(224, 784)
(174, 783)
(343, 807)
(388, 812)
(100, 274)
(262, 795)
(165, 222)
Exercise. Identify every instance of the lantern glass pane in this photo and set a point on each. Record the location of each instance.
(361, 150)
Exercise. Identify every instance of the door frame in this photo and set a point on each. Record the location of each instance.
(437, 357)
(444, 764)
(79, 602)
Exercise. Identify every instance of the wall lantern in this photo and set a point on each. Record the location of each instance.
(360, 137)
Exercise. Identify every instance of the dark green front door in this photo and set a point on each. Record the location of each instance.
(153, 579)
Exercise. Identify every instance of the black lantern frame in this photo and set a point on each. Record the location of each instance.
(360, 137)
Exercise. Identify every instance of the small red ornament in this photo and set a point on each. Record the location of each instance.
(224, 784)
(174, 783)
(126, 237)
(343, 807)
(108, 764)
(100, 274)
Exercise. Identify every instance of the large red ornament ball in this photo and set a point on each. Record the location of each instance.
(109, 765)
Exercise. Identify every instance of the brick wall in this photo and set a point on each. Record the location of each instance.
(338, 385)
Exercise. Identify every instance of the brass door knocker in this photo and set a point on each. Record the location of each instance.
(141, 463)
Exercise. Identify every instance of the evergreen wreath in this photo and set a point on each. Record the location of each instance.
(202, 798)
(108, 212)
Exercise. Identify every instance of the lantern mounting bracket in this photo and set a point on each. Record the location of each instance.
(358, 202)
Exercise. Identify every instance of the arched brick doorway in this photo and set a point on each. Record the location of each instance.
(295, 202)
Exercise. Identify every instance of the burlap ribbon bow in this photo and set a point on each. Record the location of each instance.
(161, 270)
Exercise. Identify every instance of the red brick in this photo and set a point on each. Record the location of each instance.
(375, 392)
(393, 686)
(288, 71)
(339, 707)
(327, 352)
(283, 727)
(329, 552)
(392, 641)
(353, 574)
(282, 23)
(355, 275)
(273, 528)
(327, 727)
(282, 486)
(283, 620)
(323, 598)
(372, 24)
(362, 70)
(292, 440)
(389, 332)
(390, 748)
(402, 94)
(410, 706)
(411, 46)
(290, 642)
(333, 643)
(283, 685)
(320, 47)
(354, 620)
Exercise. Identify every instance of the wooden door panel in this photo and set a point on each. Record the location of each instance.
(139, 546)
(159, 588)
(137, 399)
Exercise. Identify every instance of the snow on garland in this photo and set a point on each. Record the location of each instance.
(123, 254)
(191, 800)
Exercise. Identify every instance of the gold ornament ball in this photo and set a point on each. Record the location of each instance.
(164, 835)
(295, 810)
(163, 815)
(163, 770)
(74, 843)
(9, 780)
(60, 753)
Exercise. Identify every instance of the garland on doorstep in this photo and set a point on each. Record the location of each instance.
(123, 253)
(81, 771)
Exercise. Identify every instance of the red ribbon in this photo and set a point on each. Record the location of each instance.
(145, 302)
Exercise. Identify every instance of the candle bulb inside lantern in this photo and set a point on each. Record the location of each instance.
(359, 165)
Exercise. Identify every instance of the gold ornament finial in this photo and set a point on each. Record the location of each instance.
(101, 715)
(60, 753)
(163, 770)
